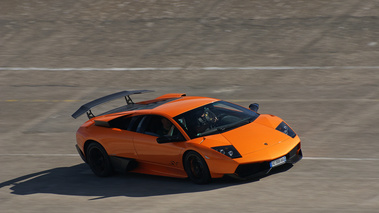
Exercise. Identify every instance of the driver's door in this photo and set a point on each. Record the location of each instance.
(149, 150)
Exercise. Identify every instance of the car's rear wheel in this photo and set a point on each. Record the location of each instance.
(196, 168)
(98, 160)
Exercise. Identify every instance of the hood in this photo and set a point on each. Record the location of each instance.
(253, 137)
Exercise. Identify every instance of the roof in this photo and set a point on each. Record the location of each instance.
(183, 104)
(170, 106)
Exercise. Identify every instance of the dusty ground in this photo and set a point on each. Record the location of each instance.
(313, 63)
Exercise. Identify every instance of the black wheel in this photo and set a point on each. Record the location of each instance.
(196, 168)
(98, 160)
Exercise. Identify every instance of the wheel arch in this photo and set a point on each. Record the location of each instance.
(186, 152)
(205, 175)
(218, 164)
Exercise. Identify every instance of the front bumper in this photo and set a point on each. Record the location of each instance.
(251, 170)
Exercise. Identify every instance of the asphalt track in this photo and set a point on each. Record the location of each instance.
(313, 63)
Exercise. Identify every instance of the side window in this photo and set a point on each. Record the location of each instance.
(160, 126)
(135, 122)
(121, 123)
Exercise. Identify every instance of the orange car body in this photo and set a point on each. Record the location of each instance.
(259, 143)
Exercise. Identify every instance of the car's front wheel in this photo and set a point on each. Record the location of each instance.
(98, 160)
(196, 168)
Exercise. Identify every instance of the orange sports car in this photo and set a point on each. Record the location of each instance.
(184, 136)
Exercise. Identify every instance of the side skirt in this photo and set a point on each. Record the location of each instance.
(123, 165)
(160, 170)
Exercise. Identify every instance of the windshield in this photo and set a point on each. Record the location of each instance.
(214, 118)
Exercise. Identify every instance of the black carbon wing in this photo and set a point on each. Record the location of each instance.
(86, 108)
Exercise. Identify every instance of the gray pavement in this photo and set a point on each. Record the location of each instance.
(312, 63)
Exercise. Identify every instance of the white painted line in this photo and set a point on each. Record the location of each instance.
(42, 155)
(184, 68)
(89, 69)
(307, 100)
(305, 158)
(342, 159)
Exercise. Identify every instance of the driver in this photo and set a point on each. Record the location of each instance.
(166, 127)
(206, 120)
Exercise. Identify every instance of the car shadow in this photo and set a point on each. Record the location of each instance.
(80, 181)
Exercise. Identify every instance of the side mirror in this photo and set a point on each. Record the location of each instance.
(170, 139)
(254, 107)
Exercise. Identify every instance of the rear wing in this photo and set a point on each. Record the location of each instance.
(86, 108)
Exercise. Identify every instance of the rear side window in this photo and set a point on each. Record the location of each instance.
(121, 123)
(135, 123)
(131, 123)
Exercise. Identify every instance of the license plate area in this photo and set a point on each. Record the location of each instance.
(278, 162)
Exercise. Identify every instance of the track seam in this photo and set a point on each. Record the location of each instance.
(185, 68)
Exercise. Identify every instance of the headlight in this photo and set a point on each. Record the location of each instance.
(283, 127)
(229, 151)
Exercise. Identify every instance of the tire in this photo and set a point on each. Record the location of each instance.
(98, 160)
(196, 168)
